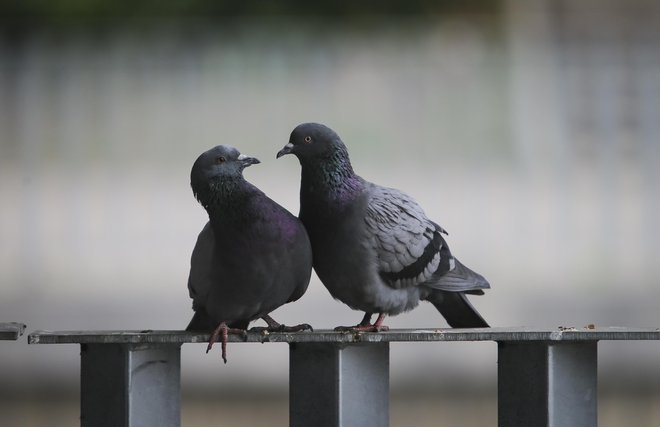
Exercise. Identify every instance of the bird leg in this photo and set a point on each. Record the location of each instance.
(366, 320)
(378, 324)
(273, 326)
(223, 332)
(365, 325)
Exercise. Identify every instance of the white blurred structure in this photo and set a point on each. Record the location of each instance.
(533, 137)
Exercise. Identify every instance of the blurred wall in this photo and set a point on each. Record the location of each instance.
(528, 129)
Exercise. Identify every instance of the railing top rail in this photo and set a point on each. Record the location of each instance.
(588, 333)
(11, 331)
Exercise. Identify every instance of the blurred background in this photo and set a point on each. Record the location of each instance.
(530, 130)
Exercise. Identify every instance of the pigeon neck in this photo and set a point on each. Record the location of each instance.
(224, 198)
(332, 177)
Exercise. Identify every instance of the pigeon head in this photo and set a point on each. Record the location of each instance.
(218, 170)
(323, 157)
(312, 141)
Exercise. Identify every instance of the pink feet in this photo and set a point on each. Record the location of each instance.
(365, 325)
(223, 332)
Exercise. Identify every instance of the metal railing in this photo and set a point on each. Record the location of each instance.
(546, 377)
(11, 331)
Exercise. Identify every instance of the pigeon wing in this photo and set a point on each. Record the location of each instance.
(201, 263)
(409, 246)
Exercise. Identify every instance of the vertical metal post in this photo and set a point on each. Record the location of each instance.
(550, 384)
(339, 385)
(130, 385)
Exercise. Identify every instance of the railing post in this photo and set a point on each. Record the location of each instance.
(339, 385)
(546, 383)
(132, 385)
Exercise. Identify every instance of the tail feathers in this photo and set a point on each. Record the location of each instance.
(457, 310)
(459, 279)
(202, 322)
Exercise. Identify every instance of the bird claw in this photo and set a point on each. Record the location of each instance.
(282, 328)
(365, 325)
(298, 328)
(363, 328)
(274, 326)
(223, 332)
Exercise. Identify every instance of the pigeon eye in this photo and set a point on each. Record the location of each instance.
(220, 159)
(308, 139)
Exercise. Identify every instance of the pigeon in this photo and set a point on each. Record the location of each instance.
(250, 258)
(373, 247)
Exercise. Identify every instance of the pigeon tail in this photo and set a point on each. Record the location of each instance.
(460, 279)
(202, 322)
(456, 309)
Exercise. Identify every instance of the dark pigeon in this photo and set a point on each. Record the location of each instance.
(250, 258)
(374, 248)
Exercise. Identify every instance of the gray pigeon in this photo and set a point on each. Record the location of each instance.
(373, 247)
(251, 257)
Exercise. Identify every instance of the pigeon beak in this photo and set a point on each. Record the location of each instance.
(247, 161)
(286, 150)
